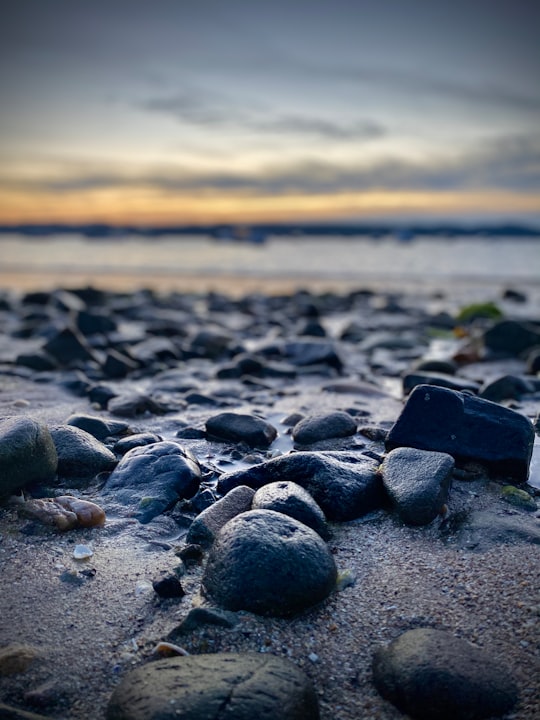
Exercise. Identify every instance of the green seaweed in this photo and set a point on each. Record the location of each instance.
(474, 311)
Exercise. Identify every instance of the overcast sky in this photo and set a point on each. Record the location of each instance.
(210, 110)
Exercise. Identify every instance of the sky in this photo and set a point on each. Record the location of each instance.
(209, 111)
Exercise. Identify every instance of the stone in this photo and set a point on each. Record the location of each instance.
(97, 321)
(150, 479)
(291, 499)
(80, 455)
(100, 428)
(215, 686)
(16, 658)
(27, 454)
(518, 498)
(418, 483)
(64, 512)
(344, 485)
(198, 617)
(302, 353)
(482, 529)
(237, 427)
(506, 387)
(118, 365)
(209, 522)
(411, 380)
(168, 587)
(138, 440)
(314, 428)
(69, 346)
(466, 427)
(269, 564)
(131, 405)
(511, 337)
(430, 674)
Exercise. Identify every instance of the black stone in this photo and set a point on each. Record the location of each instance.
(236, 427)
(315, 428)
(168, 587)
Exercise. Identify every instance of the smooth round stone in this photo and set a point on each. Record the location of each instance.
(431, 674)
(80, 454)
(27, 454)
(315, 428)
(292, 500)
(215, 686)
(270, 564)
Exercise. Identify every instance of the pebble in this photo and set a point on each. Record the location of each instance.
(82, 552)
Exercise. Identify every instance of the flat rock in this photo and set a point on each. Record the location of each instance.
(314, 428)
(270, 564)
(431, 674)
(27, 454)
(207, 524)
(411, 380)
(150, 479)
(511, 337)
(291, 499)
(344, 485)
(417, 483)
(100, 428)
(507, 387)
(238, 427)
(80, 455)
(215, 687)
(466, 427)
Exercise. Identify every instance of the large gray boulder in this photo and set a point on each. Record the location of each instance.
(270, 564)
(431, 674)
(466, 427)
(151, 479)
(27, 454)
(418, 483)
(222, 686)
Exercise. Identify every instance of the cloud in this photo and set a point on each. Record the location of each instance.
(508, 163)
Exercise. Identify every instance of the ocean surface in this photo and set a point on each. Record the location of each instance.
(354, 260)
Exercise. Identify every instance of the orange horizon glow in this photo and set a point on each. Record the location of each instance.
(151, 206)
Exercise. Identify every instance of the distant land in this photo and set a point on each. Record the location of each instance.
(257, 233)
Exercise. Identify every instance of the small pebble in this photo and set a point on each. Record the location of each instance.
(82, 552)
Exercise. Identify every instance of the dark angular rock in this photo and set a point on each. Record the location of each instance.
(211, 343)
(150, 479)
(291, 499)
(506, 387)
(80, 455)
(411, 380)
(100, 428)
(118, 365)
(90, 323)
(466, 427)
(168, 587)
(247, 686)
(207, 525)
(417, 482)
(269, 564)
(431, 674)
(69, 346)
(39, 361)
(313, 352)
(198, 617)
(314, 428)
(133, 404)
(344, 485)
(27, 454)
(511, 337)
(235, 427)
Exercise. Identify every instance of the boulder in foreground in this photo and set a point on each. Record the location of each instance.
(431, 674)
(27, 454)
(270, 564)
(216, 686)
(466, 427)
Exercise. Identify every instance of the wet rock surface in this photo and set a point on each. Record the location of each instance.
(81, 557)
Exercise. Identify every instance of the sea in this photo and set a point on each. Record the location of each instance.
(171, 262)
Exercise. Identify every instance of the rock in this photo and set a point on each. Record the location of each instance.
(39, 361)
(80, 455)
(269, 564)
(511, 337)
(418, 483)
(64, 512)
(27, 454)
(446, 367)
(191, 554)
(466, 427)
(211, 343)
(100, 428)
(292, 500)
(198, 617)
(212, 686)
(323, 427)
(118, 365)
(68, 347)
(138, 440)
(302, 353)
(207, 525)
(344, 485)
(168, 587)
(483, 529)
(150, 479)
(235, 427)
(411, 380)
(506, 387)
(518, 498)
(132, 404)
(432, 674)
(97, 321)
(16, 658)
